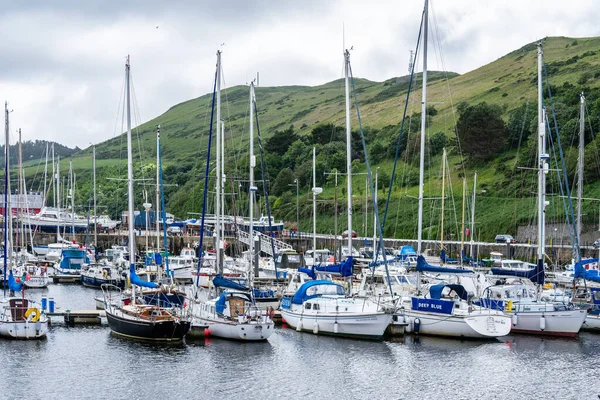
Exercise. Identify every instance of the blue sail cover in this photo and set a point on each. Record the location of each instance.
(535, 274)
(343, 269)
(12, 283)
(423, 266)
(407, 251)
(464, 257)
(435, 291)
(582, 273)
(301, 296)
(447, 259)
(221, 281)
(309, 271)
(135, 279)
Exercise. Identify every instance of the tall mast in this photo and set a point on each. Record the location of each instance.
(314, 190)
(348, 149)
(130, 219)
(20, 196)
(473, 215)
(580, 164)
(157, 216)
(58, 205)
(72, 192)
(375, 246)
(252, 187)
(423, 121)
(542, 165)
(7, 207)
(45, 176)
(462, 231)
(223, 181)
(218, 172)
(95, 211)
(443, 197)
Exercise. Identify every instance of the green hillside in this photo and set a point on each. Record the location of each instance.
(315, 116)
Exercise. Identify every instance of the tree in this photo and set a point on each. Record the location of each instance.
(281, 141)
(519, 125)
(326, 133)
(437, 142)
(481, 130)
(284, 178)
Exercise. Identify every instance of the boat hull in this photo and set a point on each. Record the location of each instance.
(235, 331)
(557, 323)
(591, 323)
(37, 282)
(135, 328)
(95, 282)
(24, 329)
(477, 325)
(370, 326)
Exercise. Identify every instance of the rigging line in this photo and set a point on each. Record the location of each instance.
(381, 245)
(401, 129)
(201, 238)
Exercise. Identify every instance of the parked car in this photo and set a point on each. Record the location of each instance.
(345, 234)
(174, 230)
(505, 239)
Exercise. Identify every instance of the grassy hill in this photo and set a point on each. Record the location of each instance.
(505, 192)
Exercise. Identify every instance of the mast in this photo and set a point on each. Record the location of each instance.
(443, 195)
(218, 265)
(314, 190)
(423, 121)
(462, 232)
(45, 177)
(20, 237)
(95, 211)
(375, 247)
(157, 215)
(473, 215)
(580, 164)
(58, 205)
(72, 193)
(252, 187)
(348, 149)
(130, 215)
(7, 210)
(542, 165)
(223, 181)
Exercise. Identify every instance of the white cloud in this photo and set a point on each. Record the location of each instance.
(62, 63)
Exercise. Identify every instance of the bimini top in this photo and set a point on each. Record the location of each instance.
(435, 291)
(317, 288)
(408, 251)
(423, 266)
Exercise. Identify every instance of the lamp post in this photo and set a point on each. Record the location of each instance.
(297, 212)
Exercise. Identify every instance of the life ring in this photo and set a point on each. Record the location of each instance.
(35, 312)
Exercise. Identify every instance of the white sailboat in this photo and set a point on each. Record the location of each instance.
(323, 307)
(233, 312)
(446, 310)
(530, 314)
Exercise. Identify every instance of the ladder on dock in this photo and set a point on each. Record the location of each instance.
(265, 242)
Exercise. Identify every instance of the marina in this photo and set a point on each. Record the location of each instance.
(434, 235)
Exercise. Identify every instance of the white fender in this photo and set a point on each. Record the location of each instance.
(299, 326)
(542, 323)
(316, 328)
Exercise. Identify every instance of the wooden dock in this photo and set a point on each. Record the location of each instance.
(79, 317)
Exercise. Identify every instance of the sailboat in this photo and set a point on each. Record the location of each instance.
(233, 313)
(324, 307)
(520, 299)
(447, 309)
(20, 318)
(129, 316)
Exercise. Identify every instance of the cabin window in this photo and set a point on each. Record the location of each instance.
(316, 307)
(308, 306)
(597, 295)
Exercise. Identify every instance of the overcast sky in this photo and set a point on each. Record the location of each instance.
(62, 62)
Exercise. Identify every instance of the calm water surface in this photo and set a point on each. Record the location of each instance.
(90, 363)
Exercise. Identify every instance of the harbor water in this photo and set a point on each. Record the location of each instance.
(90, 363)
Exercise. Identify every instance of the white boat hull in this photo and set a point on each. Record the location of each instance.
(254, 331)
(37, 282)
(557, 323)
(369, 326)
(591, 323)
(476, 325)
(24, 329)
